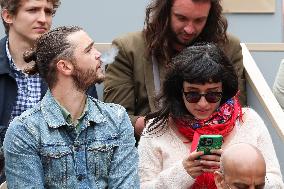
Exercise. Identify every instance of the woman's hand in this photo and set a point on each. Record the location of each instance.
(193, 165)
(211, 163)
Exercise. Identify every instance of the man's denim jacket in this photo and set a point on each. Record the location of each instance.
(42, 151)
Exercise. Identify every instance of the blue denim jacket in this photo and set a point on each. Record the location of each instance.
(42, 151)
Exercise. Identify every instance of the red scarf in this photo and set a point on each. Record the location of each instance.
(221, 122)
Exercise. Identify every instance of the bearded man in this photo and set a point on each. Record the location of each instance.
(69, 139)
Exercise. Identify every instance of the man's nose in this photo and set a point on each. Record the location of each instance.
(42, 16)
(190, 28)
(97, 54)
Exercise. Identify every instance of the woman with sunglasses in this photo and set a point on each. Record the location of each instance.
(199, 96)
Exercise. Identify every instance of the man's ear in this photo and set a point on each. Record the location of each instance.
(219, 179)
(7, 17)
(64, 67)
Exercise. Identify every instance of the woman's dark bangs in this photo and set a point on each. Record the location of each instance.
(203, 75)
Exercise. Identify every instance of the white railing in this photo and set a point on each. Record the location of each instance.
(266, 47)
(260, 87)
(102, 46)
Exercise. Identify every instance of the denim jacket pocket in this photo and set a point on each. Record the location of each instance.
(57, 164)
(99, 158)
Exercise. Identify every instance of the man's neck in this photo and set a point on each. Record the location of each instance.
(17, 47)
(71, 99)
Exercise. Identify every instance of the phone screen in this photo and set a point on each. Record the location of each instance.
(208, 142)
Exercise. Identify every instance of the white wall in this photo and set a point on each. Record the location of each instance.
(258, 28)
(103, 20)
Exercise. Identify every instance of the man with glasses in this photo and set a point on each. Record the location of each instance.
(242, 167)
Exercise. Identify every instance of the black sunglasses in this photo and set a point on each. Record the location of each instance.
(194, 97)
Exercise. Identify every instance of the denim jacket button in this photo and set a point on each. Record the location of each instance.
(76, 148)
(80, 177)
(76, 144)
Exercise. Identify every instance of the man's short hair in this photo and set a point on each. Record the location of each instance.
(12, 6)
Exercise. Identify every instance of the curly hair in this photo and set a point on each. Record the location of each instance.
(12, 6)
(49, 48)
(157, 28)
(198, 64)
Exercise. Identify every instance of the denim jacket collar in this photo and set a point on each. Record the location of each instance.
(54, 117)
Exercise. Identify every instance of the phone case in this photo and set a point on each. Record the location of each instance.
(208, 142)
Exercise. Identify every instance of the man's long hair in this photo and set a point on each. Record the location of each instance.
(158, 28)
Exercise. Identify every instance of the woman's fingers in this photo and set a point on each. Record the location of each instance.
(210, 170)
(211, 157)
(195, 155)
(216, 151)
(192, 164)
(210, 163)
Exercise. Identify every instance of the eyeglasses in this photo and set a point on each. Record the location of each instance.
(211, 97)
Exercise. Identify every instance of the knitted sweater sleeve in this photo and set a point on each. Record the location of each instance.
(254, 125)
(151, 171)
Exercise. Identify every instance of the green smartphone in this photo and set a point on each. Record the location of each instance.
(208, 142)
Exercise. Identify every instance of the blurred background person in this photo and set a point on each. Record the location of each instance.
(278, 86)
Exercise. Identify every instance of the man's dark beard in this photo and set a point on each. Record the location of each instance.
(84, 79)
(175, 40)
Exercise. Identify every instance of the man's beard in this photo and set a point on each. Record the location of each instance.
(84, 79)
(176, 40)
